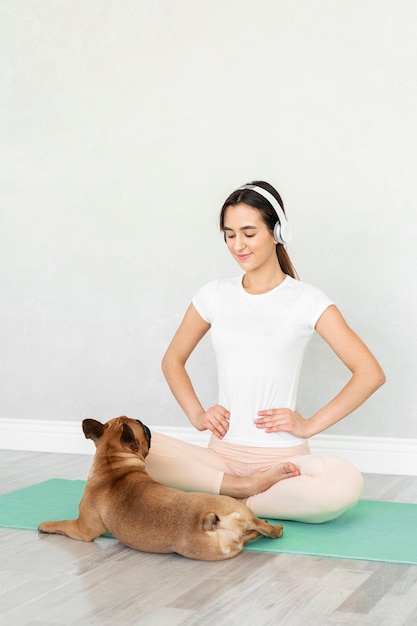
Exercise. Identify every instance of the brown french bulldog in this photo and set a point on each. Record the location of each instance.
(122, 499)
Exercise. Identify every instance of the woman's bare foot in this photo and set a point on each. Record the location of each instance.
(261, 481)
(242, 487)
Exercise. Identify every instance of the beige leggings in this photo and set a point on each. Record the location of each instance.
(327, 485)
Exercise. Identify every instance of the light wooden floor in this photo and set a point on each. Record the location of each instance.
(50, 580)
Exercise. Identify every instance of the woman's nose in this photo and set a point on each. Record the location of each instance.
(239, 242)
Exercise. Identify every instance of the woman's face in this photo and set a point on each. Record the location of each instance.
(249, 241)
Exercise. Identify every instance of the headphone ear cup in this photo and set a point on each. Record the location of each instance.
(286, 231)
(277, 233)
(282, 232)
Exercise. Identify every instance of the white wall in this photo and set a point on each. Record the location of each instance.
(125, 124)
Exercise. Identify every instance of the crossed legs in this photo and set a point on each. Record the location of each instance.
(308, 488)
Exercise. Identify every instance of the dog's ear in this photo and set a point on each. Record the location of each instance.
(129, 439)
(146, 432)
(93, 429)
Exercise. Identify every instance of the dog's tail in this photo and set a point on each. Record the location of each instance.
(211, 521)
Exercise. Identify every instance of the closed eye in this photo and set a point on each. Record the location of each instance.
(230, 236)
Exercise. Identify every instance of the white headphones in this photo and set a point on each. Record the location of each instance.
(282, 229)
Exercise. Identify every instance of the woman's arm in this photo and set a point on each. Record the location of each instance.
(190, 332)
(367, 377)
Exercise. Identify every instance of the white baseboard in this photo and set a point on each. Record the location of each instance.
(375, 455)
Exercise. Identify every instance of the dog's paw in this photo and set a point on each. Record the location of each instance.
(46, 527)
(277, 532)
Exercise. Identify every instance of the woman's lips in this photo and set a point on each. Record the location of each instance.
(243, 257)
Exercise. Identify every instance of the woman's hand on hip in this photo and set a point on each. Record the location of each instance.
(215, 419)
(283, 420)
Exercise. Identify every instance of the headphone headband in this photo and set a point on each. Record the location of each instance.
(282, 230)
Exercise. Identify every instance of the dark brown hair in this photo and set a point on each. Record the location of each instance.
(267, 214)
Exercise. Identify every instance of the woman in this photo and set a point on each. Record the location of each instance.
(260, 324)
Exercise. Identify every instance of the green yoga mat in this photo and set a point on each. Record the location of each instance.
(371, 531)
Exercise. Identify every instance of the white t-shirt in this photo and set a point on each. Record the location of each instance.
(259, 342)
